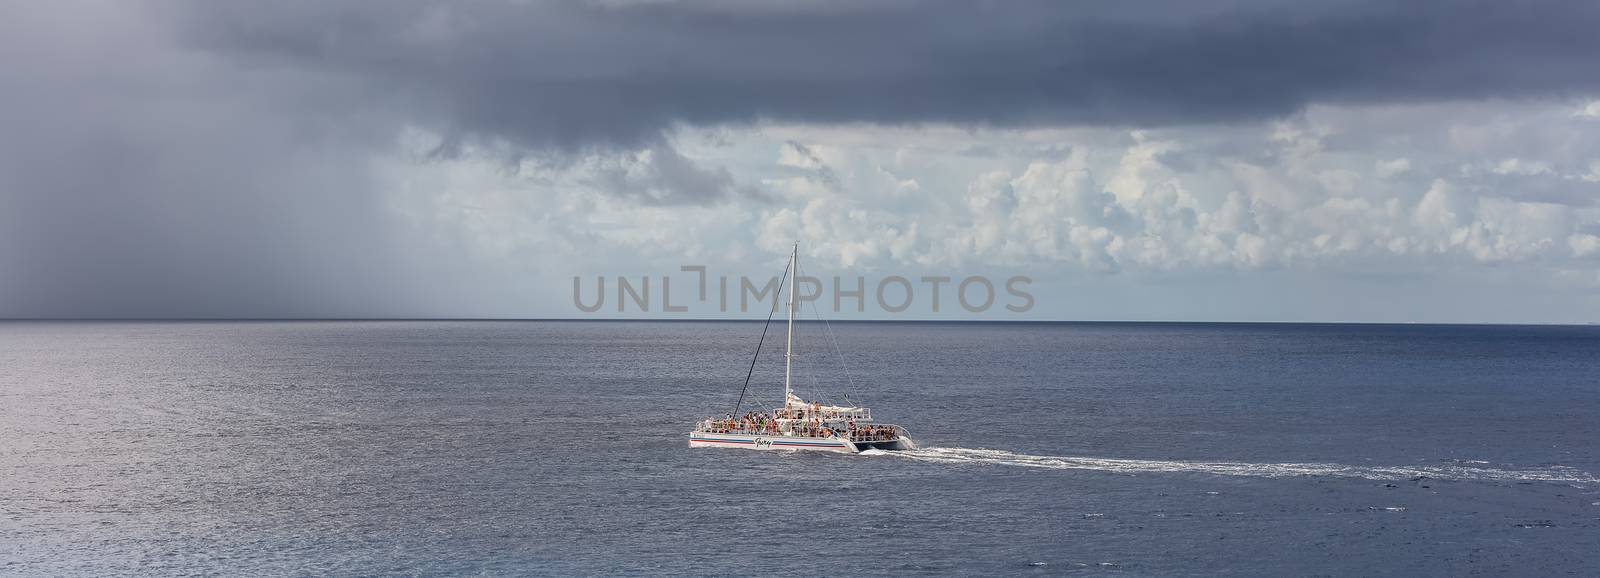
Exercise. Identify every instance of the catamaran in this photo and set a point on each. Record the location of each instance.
(799, 424)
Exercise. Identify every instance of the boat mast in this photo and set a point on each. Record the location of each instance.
(788, 350)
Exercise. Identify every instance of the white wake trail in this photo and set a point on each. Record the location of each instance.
(1264, 470)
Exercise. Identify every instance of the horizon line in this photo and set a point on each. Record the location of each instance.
(759, 320)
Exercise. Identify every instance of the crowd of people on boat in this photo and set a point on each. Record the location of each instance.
(760, 423)
(872, 433)
(749, 423)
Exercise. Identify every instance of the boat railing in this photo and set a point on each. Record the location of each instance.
(737, 427)
(865, 433)
(861, 414)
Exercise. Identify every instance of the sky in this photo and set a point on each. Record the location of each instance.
(1241, 160)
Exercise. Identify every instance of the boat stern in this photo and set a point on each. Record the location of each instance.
(898, 444)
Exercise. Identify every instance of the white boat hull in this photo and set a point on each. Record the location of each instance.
(781, 442)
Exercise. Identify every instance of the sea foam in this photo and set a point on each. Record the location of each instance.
(980, 456)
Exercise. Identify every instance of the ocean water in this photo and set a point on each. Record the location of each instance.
(559, 448)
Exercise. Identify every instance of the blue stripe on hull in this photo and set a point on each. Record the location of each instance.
(776, 443)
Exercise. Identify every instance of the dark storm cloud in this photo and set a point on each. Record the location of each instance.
(820, 171)
(660, 175)
(566, 73)
(211, 158)
(137, 179)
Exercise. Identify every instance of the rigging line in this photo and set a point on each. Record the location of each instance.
(752, 371)
(816, 387)
(838, 355)
(756, 400)
(810, 372)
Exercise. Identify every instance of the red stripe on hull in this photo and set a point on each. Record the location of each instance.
(791, 444)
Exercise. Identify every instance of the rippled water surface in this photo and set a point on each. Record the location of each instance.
(362, 448)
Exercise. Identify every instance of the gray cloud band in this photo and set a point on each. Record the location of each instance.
(572, 74)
